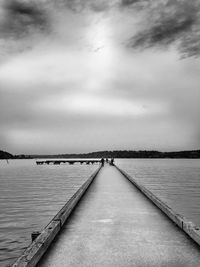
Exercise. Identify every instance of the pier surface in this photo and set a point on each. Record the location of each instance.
(116, 225)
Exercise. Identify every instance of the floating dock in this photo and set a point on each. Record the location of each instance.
(58, 162)
(114, 224)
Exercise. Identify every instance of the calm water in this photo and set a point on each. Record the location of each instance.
(175, 181)
(30, 195)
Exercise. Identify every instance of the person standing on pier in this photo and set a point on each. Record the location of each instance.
(102, 162)
(112, 162)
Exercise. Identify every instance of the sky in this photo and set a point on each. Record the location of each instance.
(80, 76)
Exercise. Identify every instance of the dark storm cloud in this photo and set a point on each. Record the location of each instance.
(129, 2)
(164, 32)
(166, 22)
(23, 17)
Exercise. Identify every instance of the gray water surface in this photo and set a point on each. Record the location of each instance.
(175, 181)
(30, 195)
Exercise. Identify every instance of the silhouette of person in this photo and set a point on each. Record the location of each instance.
(112, 162)
(102, 162)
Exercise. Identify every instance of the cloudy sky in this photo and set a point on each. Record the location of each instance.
(80, 76)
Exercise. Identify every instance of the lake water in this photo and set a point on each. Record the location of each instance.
(175, 181)
(30, 194)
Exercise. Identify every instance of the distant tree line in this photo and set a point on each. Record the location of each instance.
(111, 154)
(127, 154)
(5, 155)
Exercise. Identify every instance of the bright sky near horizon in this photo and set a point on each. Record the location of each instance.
(71, 79)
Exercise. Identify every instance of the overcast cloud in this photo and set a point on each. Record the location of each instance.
(78, 76)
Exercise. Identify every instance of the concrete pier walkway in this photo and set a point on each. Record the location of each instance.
(115, 225)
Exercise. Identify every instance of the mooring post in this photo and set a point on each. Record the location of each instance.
(34, 235)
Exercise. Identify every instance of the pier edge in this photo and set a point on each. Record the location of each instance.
(34, 252)
(187, 226)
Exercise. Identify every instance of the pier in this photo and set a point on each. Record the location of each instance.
(71, 162)
(116, 222)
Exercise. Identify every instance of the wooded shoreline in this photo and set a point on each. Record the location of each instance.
(193, 154)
